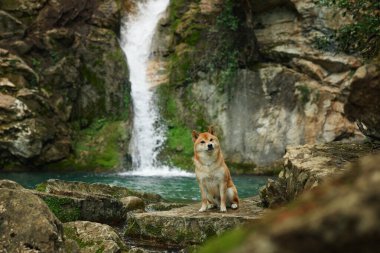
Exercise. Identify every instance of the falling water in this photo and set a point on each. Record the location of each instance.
(147, 136)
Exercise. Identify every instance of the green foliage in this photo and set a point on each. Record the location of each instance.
(96, 147)
(36, 63)
(54, 56)
(363, 35)
(64, 208)
(226, 243)
(41, 187)
(305, 93)
(325, 43)
(227, 19)
(71, 233)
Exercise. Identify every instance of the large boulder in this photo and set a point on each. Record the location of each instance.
(306, 167)
(185, 225)
(94, 237)
(27, 224)
(72, 201)
(342, 215)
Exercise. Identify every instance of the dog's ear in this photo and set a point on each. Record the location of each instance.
(211, 130)
(195, 135)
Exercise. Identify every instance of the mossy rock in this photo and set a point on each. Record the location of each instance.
(99, 147)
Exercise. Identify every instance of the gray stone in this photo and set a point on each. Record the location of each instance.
(309, 165)
(27, 224)
(94, 237)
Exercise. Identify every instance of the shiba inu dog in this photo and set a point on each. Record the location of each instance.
(212, 173)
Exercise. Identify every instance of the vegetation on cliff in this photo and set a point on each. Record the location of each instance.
(363, 35)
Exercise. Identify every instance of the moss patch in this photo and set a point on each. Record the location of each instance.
(225, 243)
(64, 208)
(97, 147)
(41, 187)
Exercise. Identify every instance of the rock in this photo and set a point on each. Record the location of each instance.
(71, 60)
(60, 187)
(293, 94)
(10, 26)
(107, 14)
(185, 225)
(8, 184)
(133, 203)
(11, 64)
(163, 206)
(15, 110)
(94, 237)
(363, 102)
(72, 201)
(305, 167)
(27, 224)
(339, 216)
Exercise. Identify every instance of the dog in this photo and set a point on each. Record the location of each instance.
(213, 176)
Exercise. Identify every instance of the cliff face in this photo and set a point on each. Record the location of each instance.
(63, 84)
(258, 70)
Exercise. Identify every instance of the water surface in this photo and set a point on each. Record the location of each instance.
(170, 188)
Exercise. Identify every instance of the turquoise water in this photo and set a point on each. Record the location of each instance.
(170, 188)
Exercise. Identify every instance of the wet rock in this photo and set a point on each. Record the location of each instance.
(27, 224)
(305, 167)
(94, 237)
(72, 201)
(185, 225)
(339, 216)
(60, 187)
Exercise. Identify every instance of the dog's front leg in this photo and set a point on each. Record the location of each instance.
(204, 198)
(223, 190)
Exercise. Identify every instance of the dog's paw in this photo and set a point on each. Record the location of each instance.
(234, 206)
(203, 209)
(223, 209)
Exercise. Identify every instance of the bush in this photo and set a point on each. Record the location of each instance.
(363, 35)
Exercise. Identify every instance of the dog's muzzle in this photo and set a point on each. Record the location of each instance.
(210, 147)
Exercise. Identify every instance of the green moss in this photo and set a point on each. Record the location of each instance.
(96, 147)
(305, 93)
(71, 233)
(64, 208)
(226, 243)
(41, 187)
(92, 78)
(133, 228)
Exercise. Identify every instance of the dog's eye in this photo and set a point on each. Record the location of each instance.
(211, 139)
(203, 142)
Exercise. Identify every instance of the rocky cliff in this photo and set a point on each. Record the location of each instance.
(261, 72)
(64, 93)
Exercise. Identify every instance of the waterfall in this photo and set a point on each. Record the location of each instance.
(147, 136)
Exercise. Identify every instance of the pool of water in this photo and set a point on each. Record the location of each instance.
(170, 188)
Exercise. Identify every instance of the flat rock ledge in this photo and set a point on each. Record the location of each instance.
(305, 167)
(186, 226)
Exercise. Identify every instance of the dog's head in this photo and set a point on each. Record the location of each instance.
(205, 142)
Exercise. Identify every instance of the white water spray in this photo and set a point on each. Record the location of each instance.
(147, 136)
